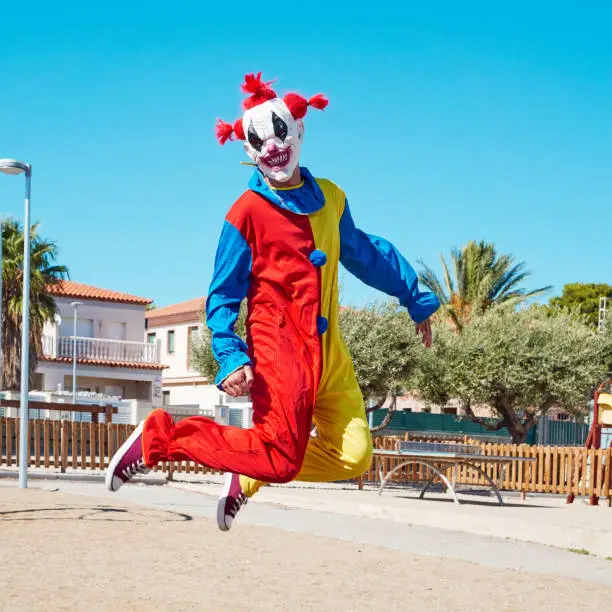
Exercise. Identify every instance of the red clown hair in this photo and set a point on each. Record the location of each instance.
(298, 105)
(262, 92)
(226, 131)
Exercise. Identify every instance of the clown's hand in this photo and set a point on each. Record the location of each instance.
(239, 383)
(424, 329)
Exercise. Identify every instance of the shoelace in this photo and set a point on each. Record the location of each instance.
(138, 467)
(240, 501)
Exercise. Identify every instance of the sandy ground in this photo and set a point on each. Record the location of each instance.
(65, 552)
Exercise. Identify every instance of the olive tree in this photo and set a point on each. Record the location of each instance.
(383, 344)
(519, 363)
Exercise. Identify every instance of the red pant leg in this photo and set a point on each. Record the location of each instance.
(283, 397)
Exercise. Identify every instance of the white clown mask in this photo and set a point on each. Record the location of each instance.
(273, 139)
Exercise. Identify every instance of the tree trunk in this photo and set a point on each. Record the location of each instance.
(518, 436)
(378, 405)
(517, 427)
(11, 356)
(387, 418)
(519, 432)
(488, 426)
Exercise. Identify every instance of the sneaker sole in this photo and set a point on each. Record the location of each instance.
(221, 504)
(110, 473)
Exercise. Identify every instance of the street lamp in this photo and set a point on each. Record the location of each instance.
(75, 305)
(12, 166)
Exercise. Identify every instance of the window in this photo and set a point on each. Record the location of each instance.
(166, 398)
(192, 336)
(171, 342)
(151, 338)
(84, 327)
(116, 330)
(38, 382)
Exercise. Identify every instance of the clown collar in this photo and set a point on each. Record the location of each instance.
(303, 199)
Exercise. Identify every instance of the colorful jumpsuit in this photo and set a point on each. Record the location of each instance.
(280, 250)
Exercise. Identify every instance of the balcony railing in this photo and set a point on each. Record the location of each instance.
(102, 349)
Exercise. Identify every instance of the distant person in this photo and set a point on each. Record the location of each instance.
(279, 248)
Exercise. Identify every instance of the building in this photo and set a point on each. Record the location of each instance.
(113, 360)
(174, 328)
(185, 391)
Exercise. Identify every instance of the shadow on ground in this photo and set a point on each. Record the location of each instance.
(93, 513)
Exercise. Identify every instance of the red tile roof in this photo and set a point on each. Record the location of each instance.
(182, 312)
(107, 363)
(79, 290)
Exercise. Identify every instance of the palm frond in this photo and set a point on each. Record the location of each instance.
(480, 278)
(448, 279)
(429, 279)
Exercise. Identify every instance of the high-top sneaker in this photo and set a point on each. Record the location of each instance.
(231, 500)
(127, 461)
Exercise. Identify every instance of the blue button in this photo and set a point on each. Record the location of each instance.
(318, 258)
(322, 324)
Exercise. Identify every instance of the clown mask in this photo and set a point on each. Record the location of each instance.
(271, 127)
(273, 139)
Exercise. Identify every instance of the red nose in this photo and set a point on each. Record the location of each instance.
(271, 147)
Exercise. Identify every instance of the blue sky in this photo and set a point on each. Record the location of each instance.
(447, 122)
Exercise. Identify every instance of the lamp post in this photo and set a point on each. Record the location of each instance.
(12, 166)
(74, 305)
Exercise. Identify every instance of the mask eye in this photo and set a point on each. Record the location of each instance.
(254, 140)
(280, 127)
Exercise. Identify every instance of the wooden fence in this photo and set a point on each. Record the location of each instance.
(68, 444)
(89, 446)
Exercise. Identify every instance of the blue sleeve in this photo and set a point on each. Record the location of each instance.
(229, 286)
(377, 263)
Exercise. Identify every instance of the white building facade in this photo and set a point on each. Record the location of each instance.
(113, 361)
(185, 391)
(174, 328)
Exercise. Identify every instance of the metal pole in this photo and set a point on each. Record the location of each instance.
(24, 459)
(74, 354)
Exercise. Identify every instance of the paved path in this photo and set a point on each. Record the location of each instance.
(488, 551)
(74, 546)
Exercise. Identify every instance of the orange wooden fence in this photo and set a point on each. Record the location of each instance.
(69, 444)
(85, 446)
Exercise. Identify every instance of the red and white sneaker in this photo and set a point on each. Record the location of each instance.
(231, 500)
(127, 461)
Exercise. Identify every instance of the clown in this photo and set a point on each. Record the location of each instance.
(280, 248)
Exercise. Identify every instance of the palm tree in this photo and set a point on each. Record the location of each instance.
(44, 274)
(480, 278)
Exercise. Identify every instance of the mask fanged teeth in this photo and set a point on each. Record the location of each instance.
(279, 159)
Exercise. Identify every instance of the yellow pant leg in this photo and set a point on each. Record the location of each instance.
(342, 448)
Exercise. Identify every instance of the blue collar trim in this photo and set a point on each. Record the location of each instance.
(303, 200)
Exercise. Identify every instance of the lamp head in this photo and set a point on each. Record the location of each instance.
(13, 166)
